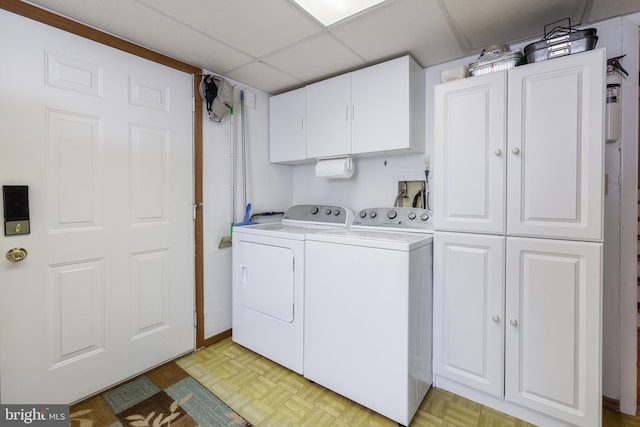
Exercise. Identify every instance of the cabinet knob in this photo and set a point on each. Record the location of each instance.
(495, 318)
(515, 150)
(497, 152)
(513, 322)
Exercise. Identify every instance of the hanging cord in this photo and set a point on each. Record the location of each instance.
(425, 199)
(244, 150)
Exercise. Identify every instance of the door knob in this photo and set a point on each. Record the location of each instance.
(495, 318)
(513, 322)
(515, 150)
(16, 254)
(497, 152)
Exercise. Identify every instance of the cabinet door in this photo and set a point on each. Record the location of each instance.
(470, 140)
(553, 329)
(286, 127)
(329, 117)
(468, 310)
(556, 148)
(387, 102)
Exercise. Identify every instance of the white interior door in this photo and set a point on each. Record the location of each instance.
(104, 141)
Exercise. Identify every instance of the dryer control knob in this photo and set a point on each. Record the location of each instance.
(327, 212)
(392, 214)
(412, 215)
(424, 216)
(363, 214)
(314, 210)
(373, 214)
(336, 212)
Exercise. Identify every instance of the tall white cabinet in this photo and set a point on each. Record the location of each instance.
(519, 164)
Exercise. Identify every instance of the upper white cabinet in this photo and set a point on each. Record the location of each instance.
(470, 148)
(328, 110)
(377, 109)
(556, 148)
(388, 108)
(287, 127)
(552, 154)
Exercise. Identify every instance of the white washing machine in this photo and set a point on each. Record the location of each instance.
(368, 315)
(268, 281)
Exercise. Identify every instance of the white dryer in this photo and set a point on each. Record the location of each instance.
(368, 315)
(268, 281)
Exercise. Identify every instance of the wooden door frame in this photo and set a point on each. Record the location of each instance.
(58, 21)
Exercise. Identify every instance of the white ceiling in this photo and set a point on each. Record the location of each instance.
(274, 45)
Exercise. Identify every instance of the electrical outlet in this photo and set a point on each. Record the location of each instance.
(249, 99)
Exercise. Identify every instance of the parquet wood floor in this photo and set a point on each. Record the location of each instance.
(268, 395)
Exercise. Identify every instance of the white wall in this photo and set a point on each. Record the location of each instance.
(268, 189)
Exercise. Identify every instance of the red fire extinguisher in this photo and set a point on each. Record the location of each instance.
(612, 116)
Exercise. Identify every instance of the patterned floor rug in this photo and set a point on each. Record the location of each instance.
(166, 396)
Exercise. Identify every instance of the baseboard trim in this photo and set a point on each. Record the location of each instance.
(216, 338)
(611, 404)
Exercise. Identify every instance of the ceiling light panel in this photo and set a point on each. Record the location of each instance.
(331, 11)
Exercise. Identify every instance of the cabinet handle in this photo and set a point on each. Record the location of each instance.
(513, 322)
(497, 152)
(346, 116)
(353, 112)
(515, 150)
(302, 123)
(495, 318)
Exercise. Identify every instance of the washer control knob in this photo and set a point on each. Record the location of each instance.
(327, 211)
(363, 214)
(392, 214)
(424, 217)
(373, 214)
(336, 212)
(314, 210)
(412, 215)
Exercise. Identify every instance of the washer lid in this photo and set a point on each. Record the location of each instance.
(283, 230)
(398, 241)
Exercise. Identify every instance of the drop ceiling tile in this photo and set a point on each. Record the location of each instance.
(603, 9)
(254, 27)
(417, 27)
(315, 58)
(264, 77)
(508, 21)
(122, 18)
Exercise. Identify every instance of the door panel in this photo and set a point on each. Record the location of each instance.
(469, 310)
(556, 149)
(104, 141)
(470, 122)
(553, 327)
(266, 279)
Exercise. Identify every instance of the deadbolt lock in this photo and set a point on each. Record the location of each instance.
(16, 254)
